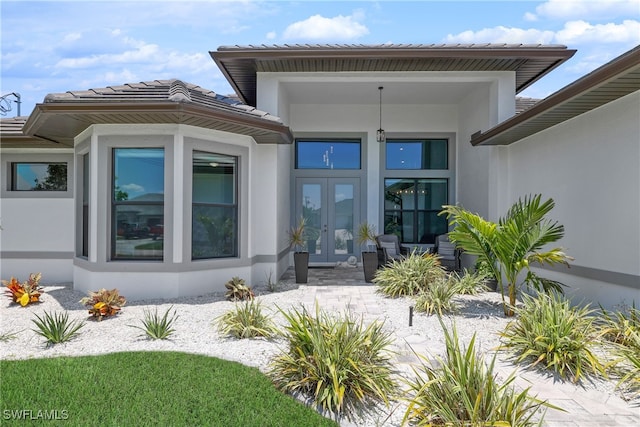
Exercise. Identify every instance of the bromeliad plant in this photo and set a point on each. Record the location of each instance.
(25, 292)
(509, 246)
(238, 290)
(104, 303)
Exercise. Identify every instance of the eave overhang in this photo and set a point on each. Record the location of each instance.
(61, 122)
(613, 80)
(240, 65)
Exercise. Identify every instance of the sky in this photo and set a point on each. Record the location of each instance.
(57, 46)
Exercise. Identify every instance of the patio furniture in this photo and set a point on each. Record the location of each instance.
(448, 254)
(391, 247)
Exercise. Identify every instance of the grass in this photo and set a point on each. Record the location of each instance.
(149, 389)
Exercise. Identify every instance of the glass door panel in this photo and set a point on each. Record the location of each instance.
(313, 200)
(343, 213)
(331, 207)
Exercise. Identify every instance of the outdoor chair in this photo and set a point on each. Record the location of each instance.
(391, 248)
(447, 253)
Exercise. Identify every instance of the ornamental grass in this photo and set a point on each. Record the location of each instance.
(552, 334)
(337, 362)
(461, 389)
(246, 320)
(409, 276)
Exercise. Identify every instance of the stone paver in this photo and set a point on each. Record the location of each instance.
(335, 288)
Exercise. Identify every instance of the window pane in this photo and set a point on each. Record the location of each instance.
(430, 225)
(214, 178)
(416, 154)
(139, 233)
(138, 203)
(412, 207)
(431, 193)
(327, 154)
(39, 177)
(343, 229)
(85, 205)
(214, 232)
(138, 174)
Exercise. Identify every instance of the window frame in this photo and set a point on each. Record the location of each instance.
(235, 206)
(113, 226)
(61, 155)
(355, 141)
(449, 173)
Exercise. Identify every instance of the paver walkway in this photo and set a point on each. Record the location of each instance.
(339, 288)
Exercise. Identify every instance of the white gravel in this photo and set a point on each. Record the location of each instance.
(195, 332)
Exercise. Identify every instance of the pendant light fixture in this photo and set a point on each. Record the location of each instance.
(380, 137)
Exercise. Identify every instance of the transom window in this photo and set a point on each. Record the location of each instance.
(411, 208)
(328, 154)
(39, 176)
(417, 154)
(137, 229)
(215, 206)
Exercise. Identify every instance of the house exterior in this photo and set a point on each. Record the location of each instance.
(169, 189)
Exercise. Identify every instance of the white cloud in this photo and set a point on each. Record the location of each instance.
(581, 32)
(318, 27)
(572, 34)
(588, 9)
(271, 35)
(133, 188)
(502, 35)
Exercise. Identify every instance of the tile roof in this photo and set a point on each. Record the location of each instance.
(172, 90)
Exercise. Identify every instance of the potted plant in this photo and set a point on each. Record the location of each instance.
(484, 270)
(367, 233)
(300, 257)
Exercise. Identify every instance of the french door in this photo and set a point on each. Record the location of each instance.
(331, 207)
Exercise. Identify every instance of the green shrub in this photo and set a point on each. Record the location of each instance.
(469, 283)
(629, 367)
(409, 276)
(438, 298)
(343, 366)
(551, 333)
(157, 327)
(621, 327)
(622, 330)
(246, 321)
(461, 390)
(8, 336)
(56, 328)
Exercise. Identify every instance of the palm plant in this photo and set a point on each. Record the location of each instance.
(513, 243)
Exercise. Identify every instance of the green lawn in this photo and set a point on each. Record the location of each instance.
(146, 389)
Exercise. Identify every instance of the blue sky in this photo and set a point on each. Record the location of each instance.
(55, 46)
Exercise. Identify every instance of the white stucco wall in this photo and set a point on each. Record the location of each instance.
(590, 166)
(37, 227)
